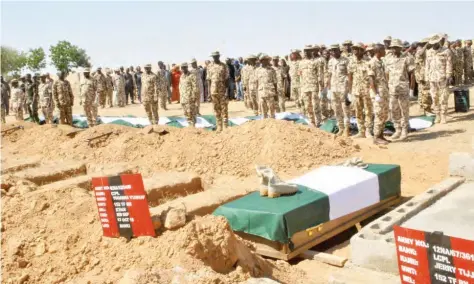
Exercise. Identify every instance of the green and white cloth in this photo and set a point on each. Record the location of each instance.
(324, 194)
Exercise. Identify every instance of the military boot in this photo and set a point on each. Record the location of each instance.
(397, 134)
(380, 141)
(404, 135)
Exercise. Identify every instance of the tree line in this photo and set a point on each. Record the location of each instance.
(64, 56)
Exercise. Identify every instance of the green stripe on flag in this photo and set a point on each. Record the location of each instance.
(390, 177)
(276, 219)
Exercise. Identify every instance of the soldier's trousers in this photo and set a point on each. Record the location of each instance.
(324, 103)
(424, 97)
(458, 75)
(121, 99)
(246, 96)
(316, 107)
(65, 115)
(468, 73)
(295, 95)
(439, 94)
(189, 110)
(89, 112)
(48, 114)
(3, 114)
(129, 93)
(110, 98)
(364, 112)
(307, 101)
(102, 98)
(18, 113)
(341, 110)
(220, 103)
(253, 102)
(267, 104)
(151, 109)
(162, 98)
(280, 103)
(400, 110)
(381, 110)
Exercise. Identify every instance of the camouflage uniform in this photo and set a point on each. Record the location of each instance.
(310, 80)
(32, 100)
(64, 100)
(150, 93)
(4, 105)
(18, 101)
(468, 57)
(245, 83)
(46, 102)
(438, 71)
(266, 81)
(325, 105)
(200, 87)
(252, 92)
(101, 84)
(458, 64)
(110, 89)
(295, 83)
(398, 70)
(88, 99)
(217, 76)
(360, 95)
(119, 88)
(424, 98)
(189, 93)
(162, 91)
(376, 68)
(279, 99)
(338, 70)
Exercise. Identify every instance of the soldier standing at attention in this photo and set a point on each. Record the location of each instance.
(189, 93)
(138, 81)
(46, 99)
(400, 83)
(29, 90)
(346, 49)
(110, 88)
(468, 54)
(359, 92)
(280, 96)
(325, 106)
(295, 58)
(101, 84)
(35, 100)
(252, 84)
(337, 84)
(198, 75)
(379, 91)
(162, 96)
(267, 86)
(88, 95)
(132, 72)
(424, 98)
(438, 73)
(458, 62)
(119, 88)
(18, 100)
(310, 80)
(150, 91)
(63, 98)
(245, 83)
(218, 76)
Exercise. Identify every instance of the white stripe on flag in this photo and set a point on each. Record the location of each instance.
(239, 120)
(200, 122)
(349, 189)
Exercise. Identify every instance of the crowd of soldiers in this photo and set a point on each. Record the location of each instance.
(374, 81)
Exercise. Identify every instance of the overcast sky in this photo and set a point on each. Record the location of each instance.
(129, 33)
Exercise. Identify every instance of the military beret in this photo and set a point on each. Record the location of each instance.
(347, 42)
(215, 53)
(406, 44)
(86, 70)
(396, 43)
(193, 60)
(388, 38)
(147, 66)
(184, 64)
(435, 39)
(308, 47)
(334, 46)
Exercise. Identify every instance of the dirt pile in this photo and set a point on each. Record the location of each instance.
(55, 237)
(285, 146)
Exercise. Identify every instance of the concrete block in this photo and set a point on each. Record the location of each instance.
(358, 275)
(48, 173)
(175, 218)
(462, 164)
(171, 185)
(375, 252)
(11, 166)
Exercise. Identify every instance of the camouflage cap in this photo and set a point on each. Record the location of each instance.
(251, 56)
(264, 56)
(388, 38)
(435, 39)
(334, 46)
(316, 46)
(184, 64)
(370, 46)
(14, 81)
(86, 70)
(193, 60)
(468, 41)
(323, 46)
(295, 51)
(347, 42)
(396, 43)
(147, 66)
(276, 57)
(308, 47)
(425, 40)
(358, 45)
(215, 53)
(36, 74)
(117, 69)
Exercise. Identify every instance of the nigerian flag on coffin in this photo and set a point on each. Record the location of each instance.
(324, 194)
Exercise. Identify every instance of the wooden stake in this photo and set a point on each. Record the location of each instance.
(324, 257)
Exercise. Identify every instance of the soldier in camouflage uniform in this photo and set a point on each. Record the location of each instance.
(245, 83)
(110, 88)
(150, 93)
(310, 81)
(326, 111)
(217, 77)
(468, 57)
(424, 98)
(198, 75)
(379, 93)
(32, 96)
(346, 49)
(359, 92)
(337, 85)
(458, 63)
(101, 83)
(63, 98)
(267, 85)
(295, 78)
(280, 96)
(119, 88)
(17, 100)
(400, 81)
(438, 73)
(252, 84)
(88, 96)
(189, 94)
(46, 102)
(162, 94)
